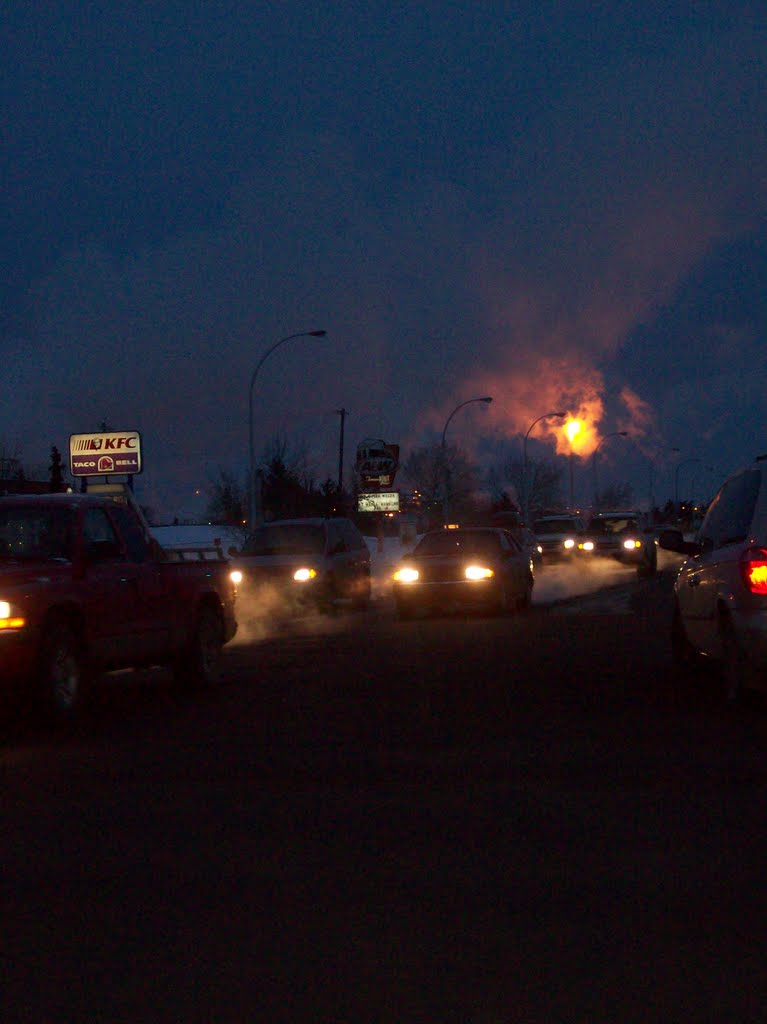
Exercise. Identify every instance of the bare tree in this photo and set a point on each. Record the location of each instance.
(227, 499)
(438, 473)
(616, 496)
(544, 482)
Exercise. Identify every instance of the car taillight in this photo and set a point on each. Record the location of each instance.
(753, 569)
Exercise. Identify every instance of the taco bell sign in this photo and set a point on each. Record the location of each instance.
(104, 454)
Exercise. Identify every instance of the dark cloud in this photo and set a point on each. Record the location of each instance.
(546, 208)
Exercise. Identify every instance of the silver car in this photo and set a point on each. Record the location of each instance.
(311, 562)
(720, 607)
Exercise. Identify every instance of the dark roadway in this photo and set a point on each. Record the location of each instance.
(483, 820)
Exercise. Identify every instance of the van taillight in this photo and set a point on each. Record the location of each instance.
(753, 568)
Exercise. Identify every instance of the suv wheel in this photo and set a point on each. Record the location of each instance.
(62, 677)
(200, 664)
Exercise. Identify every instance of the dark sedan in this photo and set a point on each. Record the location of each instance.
(477, 568)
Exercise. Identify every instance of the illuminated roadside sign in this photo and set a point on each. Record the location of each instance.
(104, 454)
(377, 462)
(379, 501)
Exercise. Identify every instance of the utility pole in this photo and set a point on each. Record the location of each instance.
(343, 413)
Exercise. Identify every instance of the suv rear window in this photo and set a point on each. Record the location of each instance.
(728, 519)
(286, 539)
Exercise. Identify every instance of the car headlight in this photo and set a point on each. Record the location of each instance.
(304, 574)
(569, 544)
(477, 572)
(587, 545)
(630, 545)
(9, 620)
(236, 577)
(407, 574)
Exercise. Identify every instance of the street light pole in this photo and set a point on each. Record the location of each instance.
(684, 462)
(651, 495)
(616, 433)
(525, 488)
(445, 504)
(251, 461)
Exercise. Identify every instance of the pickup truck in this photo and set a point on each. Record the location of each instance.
(85, 590)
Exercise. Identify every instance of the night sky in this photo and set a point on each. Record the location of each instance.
(559, 205)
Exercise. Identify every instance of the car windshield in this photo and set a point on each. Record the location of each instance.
(31, 534)
(613, 525)
(544, 526)
(454, 542)
(286, 539)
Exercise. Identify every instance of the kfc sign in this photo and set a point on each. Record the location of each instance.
(105, 453)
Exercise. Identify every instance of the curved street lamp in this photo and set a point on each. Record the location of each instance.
(251, 462)
(615, 433)
(651, 493)
(487, 399)
(684, 462)
(525, 488)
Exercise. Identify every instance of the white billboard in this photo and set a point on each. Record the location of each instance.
(378, 501)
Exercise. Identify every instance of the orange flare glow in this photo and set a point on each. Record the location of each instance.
(572, 429)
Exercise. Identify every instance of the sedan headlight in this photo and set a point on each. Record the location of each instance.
(407, 574)
(630, 545)
(587, 545)
(478, 572)
(569, 544)
(304, 574)
(8, 620)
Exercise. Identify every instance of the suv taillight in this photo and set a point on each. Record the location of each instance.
(753, 569)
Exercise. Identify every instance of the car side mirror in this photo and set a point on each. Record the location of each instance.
(673, 540)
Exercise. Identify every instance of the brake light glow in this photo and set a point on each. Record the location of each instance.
(477, 572)
(8, 621)
(753, 568)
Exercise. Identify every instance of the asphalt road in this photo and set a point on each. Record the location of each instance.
(487, 820)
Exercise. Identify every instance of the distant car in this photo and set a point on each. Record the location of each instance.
(558, 536)
(720, 593)
(306, 563)
(622, 535)
(476, 568)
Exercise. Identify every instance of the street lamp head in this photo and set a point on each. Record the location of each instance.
(316, 334)
(559, 414)
(487, 398)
